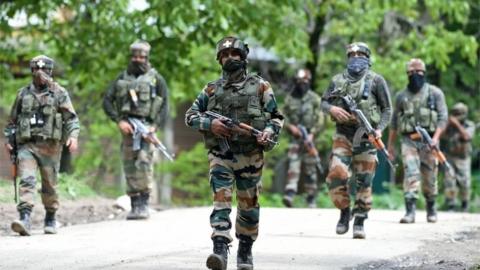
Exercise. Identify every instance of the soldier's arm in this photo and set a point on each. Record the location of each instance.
(14, 111)
(326, 106)
(71, 124)
(195, 117)
(442, 113)
(109, 106)
(467, 131)
(394, 124)
(275, 121)
(384, 101)
(163, 92)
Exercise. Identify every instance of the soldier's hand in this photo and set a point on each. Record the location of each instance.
(8, 148)
(219, 129)
(125, 127)
(72, 144)
(339, 114)
(150, 138)
(263, 137)
(453, 120)
(295, 131)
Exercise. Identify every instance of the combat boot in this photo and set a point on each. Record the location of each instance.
(143, 212)
(450, 205)
(410, 206)
(431, 212)
(465, 206)
(219, 258)
(358, 231)
(135, 203)
(288, 198)
(50, 224)
(22, 226)
(311, 203)
(244, 254)
(343, 222)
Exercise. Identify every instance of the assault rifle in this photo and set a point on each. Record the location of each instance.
(235, 124)
(311, 149)
(435, 149)
(141, 131)
(370, 131)
(13, 159)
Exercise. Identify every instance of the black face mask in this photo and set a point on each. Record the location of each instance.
(357, 66)
(41, 79)
(300, 89)
(233, 65)
(415, 82)
(138, 68)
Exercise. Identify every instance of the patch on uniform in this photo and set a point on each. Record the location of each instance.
(209, 89)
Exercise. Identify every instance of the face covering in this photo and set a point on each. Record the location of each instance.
(300, 89)
(415, 82)
(138, 68)
(41, 79)
(232, 65)
(356, 66)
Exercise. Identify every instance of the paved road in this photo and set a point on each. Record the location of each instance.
(179, 239)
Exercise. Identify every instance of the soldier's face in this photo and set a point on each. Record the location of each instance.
(357, 54)
(230, 53)
(413, 71)
(138, 58)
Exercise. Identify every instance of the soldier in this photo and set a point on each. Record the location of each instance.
(41, 120)
(458, 137)
(302, 110)
(138, 92)
(352, 149)
(249, 99)
(421, 104)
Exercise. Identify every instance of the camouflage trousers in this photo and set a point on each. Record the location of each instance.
(245, 171)
(462, 179)
(298, 156)
(345, 158)
(137, 166)
(418, 164)
(45, 156)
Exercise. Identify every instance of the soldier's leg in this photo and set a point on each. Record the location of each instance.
(27, 167)
(450, 183)
(411, 180)
(293, 174)
(310, 184)
(48, 154)
(248, 173)
(364, 165)
(337, 179)
(429, 172)
(464, 180)
(221, 182)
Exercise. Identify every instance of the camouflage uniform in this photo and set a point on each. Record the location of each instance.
(458, 150)
(353, 156)
(248, 99)
(148, 89)
(41, 121)
(427, 109)
(302, 109)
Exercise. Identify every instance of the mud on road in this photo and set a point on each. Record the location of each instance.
(80, 211)
(461, 251)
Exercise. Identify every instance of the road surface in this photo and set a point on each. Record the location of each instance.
(179, 239)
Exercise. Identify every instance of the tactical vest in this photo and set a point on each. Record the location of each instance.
(360, 91)
(242, 104)
(302, 110)
(418, 110)
(39, 116)
(142, 88)
(455, 146)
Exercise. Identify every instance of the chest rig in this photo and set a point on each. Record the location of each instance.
(240, 102)
(418, 110)
(138, 96)
(39, 115)
(301, 111)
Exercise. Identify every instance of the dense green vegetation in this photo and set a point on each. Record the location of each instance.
(89, 40)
